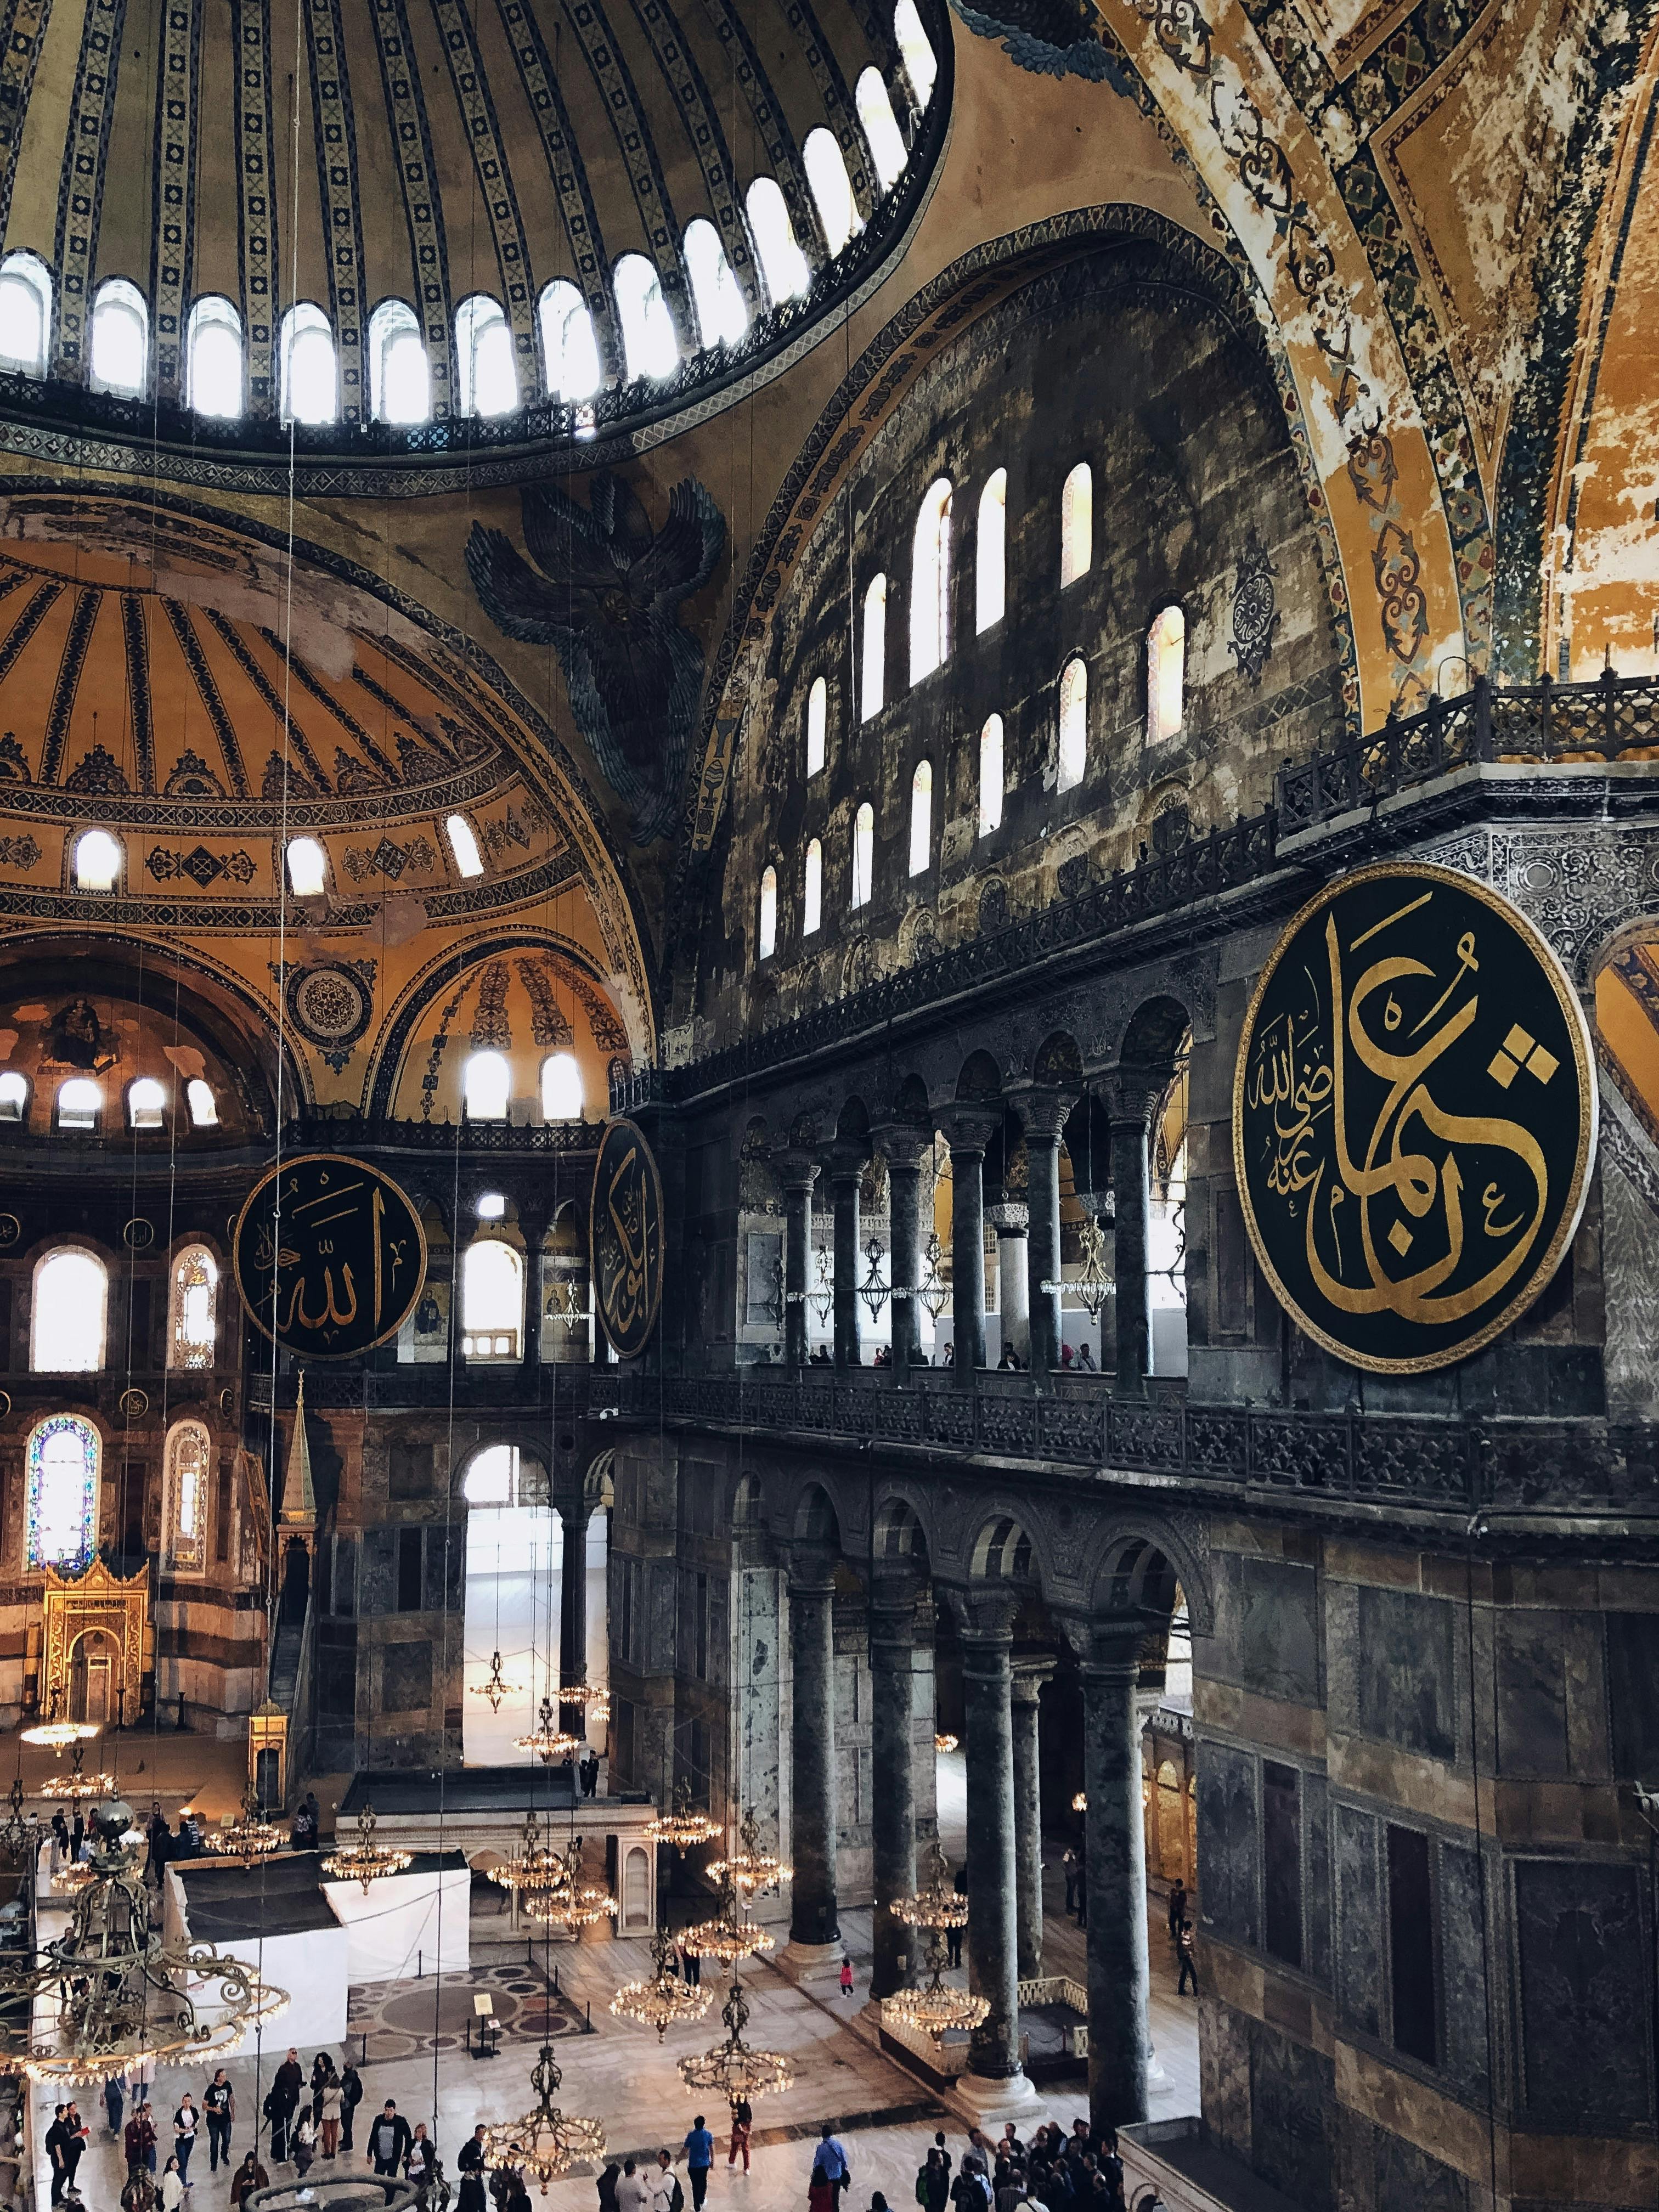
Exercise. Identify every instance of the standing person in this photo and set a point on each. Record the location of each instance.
(219, 2103)
(470, 2165)
(699, 2157)
(77, 1834)
(1068, 1864)
(57, 2152)
(173, 2187)
(421, 2162)
(607, 2186)
(302, 2143)
(743, 2122)
(1188, 1964)
(847, 1974)
(333, 2095)
(934, 2182)
(351, 2095)
(633, 2191)
(75, 2144)
(667, 2195)
(832, 2157)
(185, 2122)
(389, 2139)
(139, 2142)
(282, 2103)
(249, 2176)
(820, 2191)
(115, 2098)
(1177, 1909)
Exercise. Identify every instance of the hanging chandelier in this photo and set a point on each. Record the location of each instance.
(15, 1832)
(250, 1836)
(939, 1903)
(110, 1995)
(664, 2000)
(546, 1739)
(1091, 1286)
(933, 1290)
(537, 1871)
(946, 1742)
(731, 2068)
(546, 2143)
(683, 1826)
(364, 1860)
(55, 1732)
(873, 1290)
(1080, 1803)
(823, 1299)
(593, 1698)
(937, 2008)
(574, 1901)
(750, 1870)
(76, 1787)
(730, 1935)
(494, 1685)
(574, 1312)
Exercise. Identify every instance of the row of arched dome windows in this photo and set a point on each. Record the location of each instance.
(79, 1102)
(486, 354)
(487, 1087)
(68, 1313)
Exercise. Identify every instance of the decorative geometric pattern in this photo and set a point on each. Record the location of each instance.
(332, 1005)
(405, 2020)
(1255, 612)
(201, 867)
(18, 852)
(390, 859)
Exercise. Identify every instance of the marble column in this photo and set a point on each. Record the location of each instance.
(1010, 1219)
(893, 1809)
(1044, 1113)
(573, 1610)
(846, 1177)
(1029, 1677)
(812, 1922)
(968, 1129)
(904, 1150)
(798, 1174)
(1120, 2039)
(993, 1911)
(1130, 1120)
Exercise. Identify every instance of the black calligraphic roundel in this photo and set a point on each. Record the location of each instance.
(625, 1237)
(330, 1255)
(1414, 1116)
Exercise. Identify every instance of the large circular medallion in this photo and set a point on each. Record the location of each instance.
(625, 1237)
(1414, 1116)
(330, 1255)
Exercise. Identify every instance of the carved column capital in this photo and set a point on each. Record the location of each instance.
(796, 1170)
(1043, 1110)
(969, 1125)
(1009, 1217)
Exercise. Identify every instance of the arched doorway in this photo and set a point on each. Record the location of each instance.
(514, 1599)
(92, 1660)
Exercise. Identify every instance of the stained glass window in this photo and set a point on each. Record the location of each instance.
(195, 1286)
(62, 1493)
(186, 1498)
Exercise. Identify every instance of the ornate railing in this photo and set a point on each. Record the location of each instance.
(357, 1135)
(1417, 1459)
(509, 1386)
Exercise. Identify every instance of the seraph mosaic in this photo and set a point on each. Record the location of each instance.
(605, 590)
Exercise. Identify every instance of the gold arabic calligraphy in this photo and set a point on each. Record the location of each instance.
(627, 1237)
(335, 1268)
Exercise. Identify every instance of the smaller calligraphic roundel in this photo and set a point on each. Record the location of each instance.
(625, 1237)
(1414, 1117)
(330, 1255)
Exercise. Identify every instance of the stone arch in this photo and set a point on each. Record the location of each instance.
(897, 1534)
(816, 1520)
(598, 1484)
(1058, 1060)
(1002, 1551)
(1153, 1034)
(979, 1077)
(1138, 1561)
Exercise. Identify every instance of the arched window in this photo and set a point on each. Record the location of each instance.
(570, 351)
(649, 345)
(722, 318)
(812, 892)
(120, 338)
(97, 861)
(488, 1086)
(147, 1103)
(1073, 724)
(818, 724)
(922, 817)
(213, 359)
(192, 1311)
(916, 50)
(203, 1106)
(487, 376)
(464, 845)
(873, 688)
(782, 263)
(80, 1103)
(767, 943)
(990, 776)
(832, 188)
(399, 376)
(492, 1300)
(886, 140)
(930, 582)
(308, 868)
(14, 1095)
(864, 855)
(310, 374)
(61, 1471)
(184, 1521)
(561, 1088)
(66, 1320)
(1166, 675)
(1077, 524)
(24, 313)
(991, 552)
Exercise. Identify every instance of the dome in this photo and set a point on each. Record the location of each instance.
(514, 226)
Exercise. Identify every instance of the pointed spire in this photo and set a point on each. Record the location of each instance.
(299, 1506)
